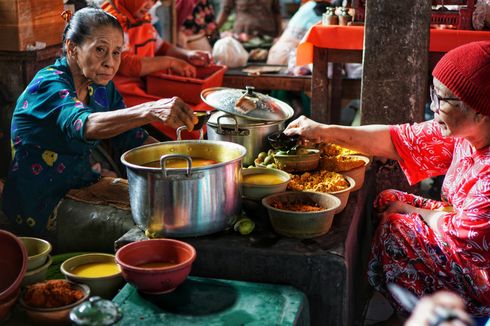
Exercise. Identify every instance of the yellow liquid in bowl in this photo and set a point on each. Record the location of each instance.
(158, 264)
(262, 179)
(96, 269)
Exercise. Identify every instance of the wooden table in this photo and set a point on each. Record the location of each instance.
(236, 78)
(344, 44)
(330, 270)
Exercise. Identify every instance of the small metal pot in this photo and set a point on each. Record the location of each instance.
(186, 202)
(250, 133)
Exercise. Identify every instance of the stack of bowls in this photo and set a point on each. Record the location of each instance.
(13, 262)
(38, 260)
(97, 270)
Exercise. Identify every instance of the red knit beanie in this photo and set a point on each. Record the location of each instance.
(465, 70)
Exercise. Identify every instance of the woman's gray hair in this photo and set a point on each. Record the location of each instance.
(84, 21)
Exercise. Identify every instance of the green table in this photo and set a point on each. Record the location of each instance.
(207, 301)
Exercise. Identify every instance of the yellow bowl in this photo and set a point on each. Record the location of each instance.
(258, 191)
(103, 283)
(37, 251)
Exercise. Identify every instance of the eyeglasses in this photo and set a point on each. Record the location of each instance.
(436, 99)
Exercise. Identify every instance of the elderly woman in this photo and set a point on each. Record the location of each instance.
(64, 112)
(421, 244)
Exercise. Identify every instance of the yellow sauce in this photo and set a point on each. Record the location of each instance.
(181, 164)
(158, 264)
(263, 179)
(96, 269)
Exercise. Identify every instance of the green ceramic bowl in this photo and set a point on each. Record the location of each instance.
(37, 251)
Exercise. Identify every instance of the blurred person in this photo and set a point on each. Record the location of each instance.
(253, 18)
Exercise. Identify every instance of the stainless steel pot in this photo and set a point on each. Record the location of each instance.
(184, 202)
(250, 133)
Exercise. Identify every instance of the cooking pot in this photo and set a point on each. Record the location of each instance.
(245, 117)
(250, 133)
(184, 202)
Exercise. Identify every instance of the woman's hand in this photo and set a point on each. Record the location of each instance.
(199, 58)
(183, 68)
(426, 311)
(306, 128)
(173, 112)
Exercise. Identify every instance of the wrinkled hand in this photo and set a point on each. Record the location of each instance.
(425, 314)
(173, 112)
(306, 128)
(182, 68)
(199, 58)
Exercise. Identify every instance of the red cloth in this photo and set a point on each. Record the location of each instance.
(465, 70)
(352, 38)
(406, 251)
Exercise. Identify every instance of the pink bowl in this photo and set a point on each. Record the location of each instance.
(13, 262)
(156, 280)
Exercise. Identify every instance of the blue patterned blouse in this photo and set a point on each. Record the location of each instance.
(51, 152)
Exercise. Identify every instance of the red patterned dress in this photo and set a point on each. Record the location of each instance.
(406, 251)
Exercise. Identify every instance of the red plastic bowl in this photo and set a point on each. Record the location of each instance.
(13, 262)
(156, 280)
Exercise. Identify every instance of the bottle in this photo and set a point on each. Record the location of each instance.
(344, 17)
(329, 17)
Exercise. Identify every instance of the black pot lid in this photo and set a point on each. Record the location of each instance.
(247, 103)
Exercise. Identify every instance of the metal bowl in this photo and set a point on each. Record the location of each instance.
(302, 225)
(257, 191)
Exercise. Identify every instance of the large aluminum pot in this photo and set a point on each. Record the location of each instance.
(184, 202)
(250, 133)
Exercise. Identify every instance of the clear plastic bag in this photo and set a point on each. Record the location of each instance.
(228, 51)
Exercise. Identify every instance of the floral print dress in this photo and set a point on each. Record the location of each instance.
(406, 251)
(51, 152)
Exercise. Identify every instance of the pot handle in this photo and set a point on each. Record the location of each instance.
(164, 158)
(179, 132)
(220, 128)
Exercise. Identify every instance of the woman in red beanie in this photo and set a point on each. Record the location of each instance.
(421, 244)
